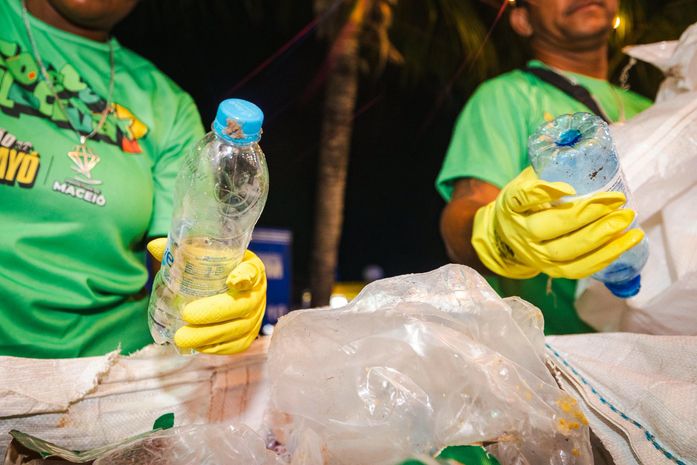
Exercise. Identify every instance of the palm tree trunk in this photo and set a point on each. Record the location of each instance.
(337, 126)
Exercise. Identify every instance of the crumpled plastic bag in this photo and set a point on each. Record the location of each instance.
(416, 363)
(677, 59)
(658, 153)
(211, 444)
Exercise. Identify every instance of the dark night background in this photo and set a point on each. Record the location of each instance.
(392, 208)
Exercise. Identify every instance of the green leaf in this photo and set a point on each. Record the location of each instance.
(468, 455)
(165, 421)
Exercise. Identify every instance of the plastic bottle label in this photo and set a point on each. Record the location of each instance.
(618, 184)
(615, 184)
(196, 269)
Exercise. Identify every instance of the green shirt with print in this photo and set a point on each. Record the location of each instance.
(489, 143)
(74, 224)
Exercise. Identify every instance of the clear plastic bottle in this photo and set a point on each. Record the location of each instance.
(578, 149)
(219, 195)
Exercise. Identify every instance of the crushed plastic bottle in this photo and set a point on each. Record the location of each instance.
(578, 149)
(219, 195)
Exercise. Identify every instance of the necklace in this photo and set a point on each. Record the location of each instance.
(81, 155)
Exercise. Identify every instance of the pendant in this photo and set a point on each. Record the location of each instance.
(84, 161)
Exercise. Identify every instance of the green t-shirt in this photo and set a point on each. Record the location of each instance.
(72, 231)
(489, 142)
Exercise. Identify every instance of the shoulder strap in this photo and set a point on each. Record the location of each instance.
(575, 91)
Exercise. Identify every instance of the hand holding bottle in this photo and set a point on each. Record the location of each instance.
(578, 149)
(225, 323)
(526, 230)
(210, 292)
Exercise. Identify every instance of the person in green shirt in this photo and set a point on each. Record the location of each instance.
(91, 140)
(488, 149)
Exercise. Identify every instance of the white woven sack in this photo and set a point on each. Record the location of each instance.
(90, 402)
(639, 392)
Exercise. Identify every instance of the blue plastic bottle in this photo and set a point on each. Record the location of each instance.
(578, 149)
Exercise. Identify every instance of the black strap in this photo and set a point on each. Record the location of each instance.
(575, 91)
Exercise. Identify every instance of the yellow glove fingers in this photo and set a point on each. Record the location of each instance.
(524, 231)
(193, 336)
(246, 293)
(247, 274)
(599, 259)
(565, 218)
(157, 247)
(226, 306)
(232, 347)
(534, 195)
(587, 239)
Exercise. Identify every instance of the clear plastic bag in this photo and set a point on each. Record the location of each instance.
(416, 363)
(211, 444)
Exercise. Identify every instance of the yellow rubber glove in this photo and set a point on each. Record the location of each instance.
(225, 323)
(525, 231)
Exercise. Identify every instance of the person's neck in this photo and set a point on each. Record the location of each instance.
(44, 11)
(591, 63)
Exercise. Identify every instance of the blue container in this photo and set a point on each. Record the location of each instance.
(273, 246)
(578, 149)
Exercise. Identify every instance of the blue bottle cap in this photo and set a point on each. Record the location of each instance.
(238, 121)
(569, 137)
(625, 289)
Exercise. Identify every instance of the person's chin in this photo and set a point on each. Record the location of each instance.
(589, 29)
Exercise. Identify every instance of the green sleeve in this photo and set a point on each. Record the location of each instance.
(186, 131)
(489, 141)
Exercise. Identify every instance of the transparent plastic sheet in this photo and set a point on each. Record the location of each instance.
(210, 444)
(416, 363)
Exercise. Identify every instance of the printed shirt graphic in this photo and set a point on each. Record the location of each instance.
(489, 142)
(74, 222)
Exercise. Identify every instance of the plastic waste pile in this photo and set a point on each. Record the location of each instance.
(658, 153)
(416, 363)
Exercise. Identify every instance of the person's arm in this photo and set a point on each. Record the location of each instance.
(457, 219)
(487, 149)
(500, 217)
